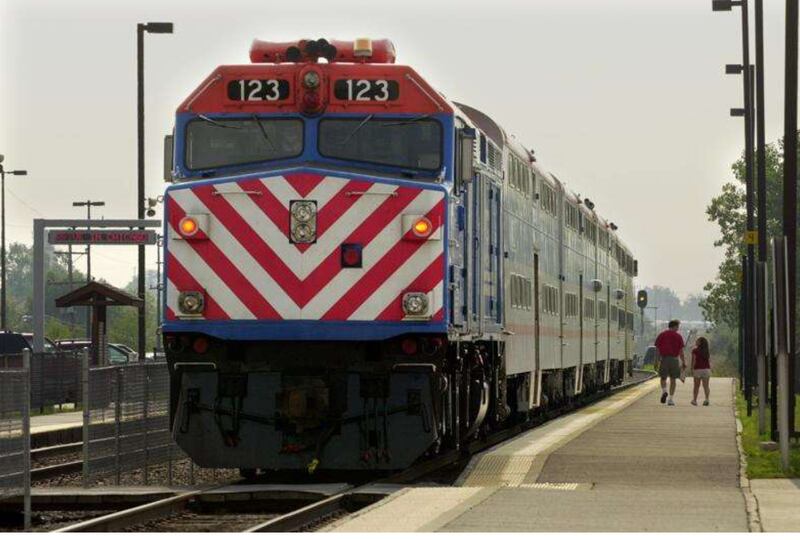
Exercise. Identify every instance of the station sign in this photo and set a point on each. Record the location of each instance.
(122, 237)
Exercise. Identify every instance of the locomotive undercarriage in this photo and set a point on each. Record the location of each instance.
(346, 405)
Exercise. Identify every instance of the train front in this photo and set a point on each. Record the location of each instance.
(306, 243)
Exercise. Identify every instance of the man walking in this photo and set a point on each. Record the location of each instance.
(670, 346)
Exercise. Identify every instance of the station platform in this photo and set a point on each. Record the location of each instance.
(56, 421)
(626, 463)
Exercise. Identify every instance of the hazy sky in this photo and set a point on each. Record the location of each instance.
(626, 101)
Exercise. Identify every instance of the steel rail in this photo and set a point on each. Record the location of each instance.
(301, 517)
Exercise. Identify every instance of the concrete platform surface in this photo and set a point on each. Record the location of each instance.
(627, 463)
(778, 503)
(56, 421)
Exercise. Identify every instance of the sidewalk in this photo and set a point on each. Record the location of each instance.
(634, 465)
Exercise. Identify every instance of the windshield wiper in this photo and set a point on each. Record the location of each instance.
(263, 131)
(359, 126)
(215, 123)
(408, 121)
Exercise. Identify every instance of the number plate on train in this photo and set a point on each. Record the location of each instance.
(258, 89)
(366, 90)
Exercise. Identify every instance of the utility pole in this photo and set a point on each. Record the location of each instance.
(141, 30)
(88, 204)
(3, 302)
(790, 186)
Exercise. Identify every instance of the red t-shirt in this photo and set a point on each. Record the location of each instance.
(669, 343)
(700, 361)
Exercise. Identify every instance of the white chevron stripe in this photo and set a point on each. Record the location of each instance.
(215, 285)
(398, 281)
(284, 192)
(258, 277)
(380, 245)
(172, 297)
(302, 264)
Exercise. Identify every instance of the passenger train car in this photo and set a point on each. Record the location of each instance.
(360, 272)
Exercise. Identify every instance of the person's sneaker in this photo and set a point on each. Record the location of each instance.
(705, 403)
(664, 397)
(694, 403)
(670, 402)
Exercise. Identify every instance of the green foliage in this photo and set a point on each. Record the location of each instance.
(763, 463)
(727, 210)
(71, 322)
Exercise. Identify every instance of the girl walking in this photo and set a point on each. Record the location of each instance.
(701, 368)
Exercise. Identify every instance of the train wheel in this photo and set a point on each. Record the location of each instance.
(248, 474)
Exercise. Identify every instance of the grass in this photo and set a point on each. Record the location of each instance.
(762, 463)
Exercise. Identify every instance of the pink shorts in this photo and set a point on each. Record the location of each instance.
(701, 374)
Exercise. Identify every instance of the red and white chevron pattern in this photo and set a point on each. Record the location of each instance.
(249, 269)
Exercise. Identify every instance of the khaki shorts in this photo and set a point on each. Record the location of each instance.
(701, 374)
(670, 367)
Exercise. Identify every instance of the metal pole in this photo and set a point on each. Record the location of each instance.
(3, 321)
(761, 167)
(140, 28)
(39, 260)
(89, 268)
(26, 436)
(144, 419)
(790, 185)
(118, 425)
(86, 414)
(761, 356)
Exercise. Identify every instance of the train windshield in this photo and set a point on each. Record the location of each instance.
(219, 143)
(413, 143)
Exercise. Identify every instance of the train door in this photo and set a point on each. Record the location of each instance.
(458, 252)
(579, 367)
(607, 330)
(536, 374)
(487, 250)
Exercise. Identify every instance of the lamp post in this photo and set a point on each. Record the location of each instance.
(3, 305)
(141, 29)
(790, 185)
(751, 235)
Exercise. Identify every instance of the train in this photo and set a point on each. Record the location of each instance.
(361, 273)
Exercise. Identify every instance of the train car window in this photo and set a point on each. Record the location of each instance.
(602, 310)
(240, 141)
(407, 143)
(588, 308)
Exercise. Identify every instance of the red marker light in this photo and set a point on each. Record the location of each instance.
(200, 345)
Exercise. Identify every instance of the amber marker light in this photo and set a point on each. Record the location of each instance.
(188, 226)
(422, 227)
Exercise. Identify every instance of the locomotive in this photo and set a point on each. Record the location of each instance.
(360, 272)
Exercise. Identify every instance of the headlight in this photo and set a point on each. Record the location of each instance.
(303, 210)
(415, 304)
(303, 221)
(191, 302)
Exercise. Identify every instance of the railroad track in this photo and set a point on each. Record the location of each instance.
(345, 500)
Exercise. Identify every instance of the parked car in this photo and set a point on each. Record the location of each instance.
(116, 353)
(15, 342)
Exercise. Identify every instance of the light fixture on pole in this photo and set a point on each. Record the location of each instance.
(141, 29)
(3, 302)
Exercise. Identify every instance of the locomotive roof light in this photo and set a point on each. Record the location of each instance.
(589, 204)
(416, 304)
(362, 47)
(311, 79)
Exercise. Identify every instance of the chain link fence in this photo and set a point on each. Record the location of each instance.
(15, 463)
(126, 421)
(55, 377)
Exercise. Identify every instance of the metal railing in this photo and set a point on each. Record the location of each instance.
(54, 377)
(15, 461)
(126, 420)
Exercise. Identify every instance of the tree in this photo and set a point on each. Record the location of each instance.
(727, 210)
